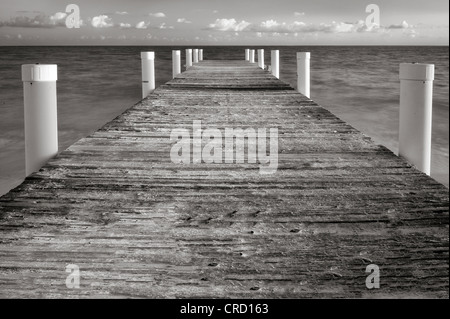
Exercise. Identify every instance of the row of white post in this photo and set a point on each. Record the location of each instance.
(40, 103)
(303, 67)
(275, 60)
(193, 56)
(148, 66)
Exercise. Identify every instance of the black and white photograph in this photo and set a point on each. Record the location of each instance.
(224, 158)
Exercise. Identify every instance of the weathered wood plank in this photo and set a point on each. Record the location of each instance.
(138, 225)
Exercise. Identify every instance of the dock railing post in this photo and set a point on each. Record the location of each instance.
(275, 58)
(252, 56)
(40, 111)
(195, 55)
(247, 54)
(303, 73)
(188, 58)
(261, 58)
(148, 73)
(200, 54)
(176, 62)
(416, 108)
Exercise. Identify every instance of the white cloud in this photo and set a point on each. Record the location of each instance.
(403, 25)
(299, 14)
(183, 20)
(58, 16)
(142, 25)
(272, 26)
(229, 25)
(39, 21)
(102, 21)
(157, 15)
(125, 25)
(164, 26)
(122, 13)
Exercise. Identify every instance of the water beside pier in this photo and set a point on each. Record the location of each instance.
(358, 84)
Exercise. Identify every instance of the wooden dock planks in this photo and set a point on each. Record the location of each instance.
(138, 225)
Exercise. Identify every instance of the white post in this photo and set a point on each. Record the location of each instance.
(303, 73)
(40, 110)
(148, 73)
(416, 107)
(188, 58)
(195, 55)
(261, 58)
(252, 56)
(176, 62)
(200, 55)
(276, 63)
(247, 54)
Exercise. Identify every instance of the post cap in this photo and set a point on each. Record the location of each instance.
(303, 55)
(176, 52)
(39, 72)
(417, 71)
(147, 55)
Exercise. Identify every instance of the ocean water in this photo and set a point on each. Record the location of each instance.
(358, 84)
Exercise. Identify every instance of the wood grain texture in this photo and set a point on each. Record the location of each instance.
(138, 225)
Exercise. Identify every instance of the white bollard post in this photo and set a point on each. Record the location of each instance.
(188, 58)
(261, 58)
(176, 62)
(416, 108)
(275, 57)
(148, 73)
(252, 56)
(200, 55)
(195, 55)
(247, 54)
(303, 73)
(40, 110)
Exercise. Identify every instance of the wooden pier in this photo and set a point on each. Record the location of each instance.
(138, 225)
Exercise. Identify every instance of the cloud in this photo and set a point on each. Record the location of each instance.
(125, 25)
(272, 26)
(102, 21)
(403, 25)
(142, 25)
(157, 15)
(121, 13)
(183, 20)
(229, 25)
(58, 16)
(164, 26)
(269, 24)
(299, 14)
(39, 21)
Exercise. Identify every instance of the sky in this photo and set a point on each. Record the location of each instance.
(224, 22)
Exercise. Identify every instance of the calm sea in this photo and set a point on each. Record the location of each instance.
(358, 84)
